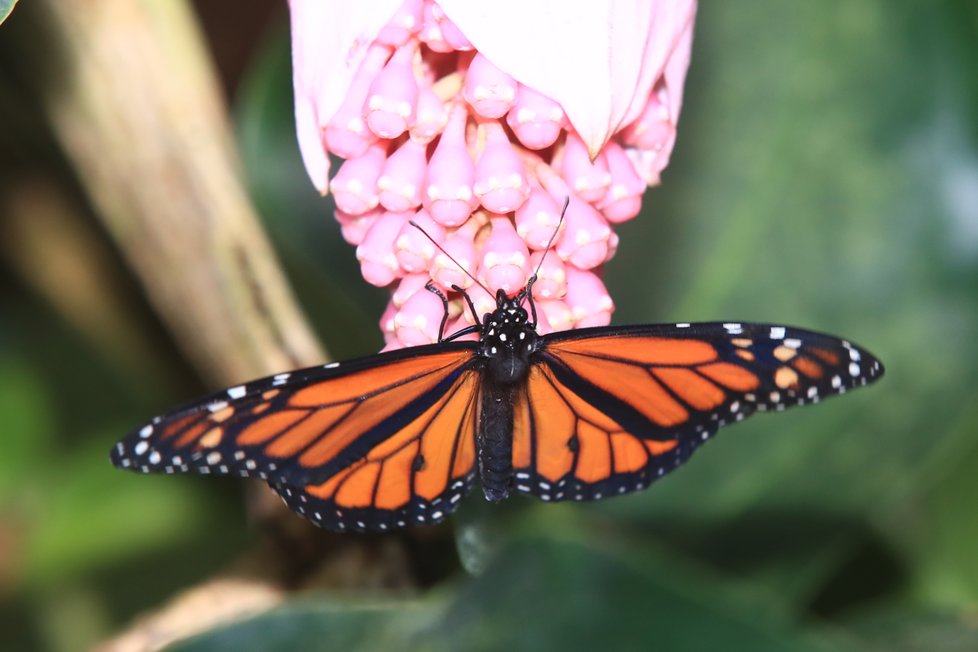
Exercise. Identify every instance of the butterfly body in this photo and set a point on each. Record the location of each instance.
(507, 343)
(398, 438)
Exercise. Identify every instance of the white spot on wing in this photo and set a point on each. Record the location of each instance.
(777, 332)
(236, 392)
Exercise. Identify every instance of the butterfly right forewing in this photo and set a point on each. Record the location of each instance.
(609, 410)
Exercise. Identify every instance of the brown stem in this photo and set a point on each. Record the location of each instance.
(135, 105)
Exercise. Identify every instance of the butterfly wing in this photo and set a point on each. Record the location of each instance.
(364, 445)
(610, 410)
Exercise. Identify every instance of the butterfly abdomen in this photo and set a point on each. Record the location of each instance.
(495, 440)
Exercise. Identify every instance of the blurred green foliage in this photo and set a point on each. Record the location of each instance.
(826, 175)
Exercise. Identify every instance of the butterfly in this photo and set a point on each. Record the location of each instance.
(398, 438)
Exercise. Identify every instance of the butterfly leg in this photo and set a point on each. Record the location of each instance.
(430, 287)
(468, 300)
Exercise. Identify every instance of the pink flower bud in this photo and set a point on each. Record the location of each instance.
(504, 257)
(387, 323)
(448, 185)
(460, 245)
(393, 95)
(449, 34)
(378, 265)
(431, 33)
(551, 280)
(589, 179)
(588, 299)
(346, 133)
(584, 242)
(535, 118)
(538, 218)
(355, 185)
(406, 287)
(500, 183)
(553, 315)
(488, 90)
(403, 26)
(414, 250)
(355, 227)
(430, 117)
(401, 178)
(623, 201)
(418, 319)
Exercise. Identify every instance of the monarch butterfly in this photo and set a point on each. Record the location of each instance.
(398, 438)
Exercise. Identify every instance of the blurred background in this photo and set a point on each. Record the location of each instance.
(159, 238)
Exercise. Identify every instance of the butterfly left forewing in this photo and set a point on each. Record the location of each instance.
(299, 427)
(609, 410)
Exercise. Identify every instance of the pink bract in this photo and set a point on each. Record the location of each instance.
(478, 127)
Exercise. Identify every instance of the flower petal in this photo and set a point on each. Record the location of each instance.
(329, 40)
(598, 59)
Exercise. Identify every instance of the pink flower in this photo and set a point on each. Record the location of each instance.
(476, 121)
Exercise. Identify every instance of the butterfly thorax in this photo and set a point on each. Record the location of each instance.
(507, 341)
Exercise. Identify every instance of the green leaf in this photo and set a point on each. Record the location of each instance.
(316, 625)
(909, 629)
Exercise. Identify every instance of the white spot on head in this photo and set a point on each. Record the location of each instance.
(236, 392)
(141, 448)
(777, 332)
(146, 431)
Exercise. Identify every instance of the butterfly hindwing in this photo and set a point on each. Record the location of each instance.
(609, 410)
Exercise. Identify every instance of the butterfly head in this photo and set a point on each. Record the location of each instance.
(508, 339)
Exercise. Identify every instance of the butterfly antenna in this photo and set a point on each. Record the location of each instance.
(451, 258)
(563, 211)
(528, 291)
